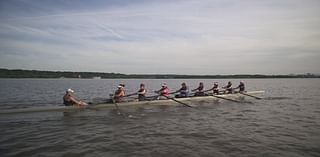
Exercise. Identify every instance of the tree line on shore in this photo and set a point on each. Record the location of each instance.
(18, 73)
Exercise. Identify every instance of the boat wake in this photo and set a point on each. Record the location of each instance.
(277, 98)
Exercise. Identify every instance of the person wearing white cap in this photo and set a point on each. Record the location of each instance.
(164, 91)
(119, 93)
(70, 100)
(241, 87)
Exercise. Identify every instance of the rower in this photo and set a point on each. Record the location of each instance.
(215, 88)
(142, 92)
(164, 91)
(123, 85)
(70, 100)
(241, 87)
(228, 88)
(184, 91)
(199, 90)
(119, 93)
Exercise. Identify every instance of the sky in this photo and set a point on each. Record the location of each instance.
(196, 37)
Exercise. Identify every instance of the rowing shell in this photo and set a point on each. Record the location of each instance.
(124, 104)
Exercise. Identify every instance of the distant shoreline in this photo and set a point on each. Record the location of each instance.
(18, 73)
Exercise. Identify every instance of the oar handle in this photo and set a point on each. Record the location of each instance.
(130, 94)
(173, 92)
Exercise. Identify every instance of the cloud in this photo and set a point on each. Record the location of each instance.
(184, 37)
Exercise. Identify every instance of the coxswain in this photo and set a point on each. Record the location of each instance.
(70, 100)
(199, 91)
(241, 87)
(184, 91)
(228, 88)
(164, 91)
(142, 92)
(119, 93)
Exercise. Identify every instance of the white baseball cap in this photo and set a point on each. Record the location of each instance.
(70, 90)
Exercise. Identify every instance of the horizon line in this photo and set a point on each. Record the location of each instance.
(291, 74)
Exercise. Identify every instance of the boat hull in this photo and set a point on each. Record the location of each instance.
(168, 102)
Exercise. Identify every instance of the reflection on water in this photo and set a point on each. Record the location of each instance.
(285, 123)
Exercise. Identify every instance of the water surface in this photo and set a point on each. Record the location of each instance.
(285, 123)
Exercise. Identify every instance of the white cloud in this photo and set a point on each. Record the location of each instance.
(189, 37)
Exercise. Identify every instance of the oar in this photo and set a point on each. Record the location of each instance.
(115, 104)
(117, 107)
(177, 101)
(173, 92)
(220, 97)
(130, 94)
(250, 95)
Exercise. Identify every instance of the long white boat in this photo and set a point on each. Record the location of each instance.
(189, 101)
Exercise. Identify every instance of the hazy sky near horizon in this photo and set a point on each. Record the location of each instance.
(162, 37)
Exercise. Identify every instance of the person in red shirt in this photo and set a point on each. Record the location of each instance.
(164, 91)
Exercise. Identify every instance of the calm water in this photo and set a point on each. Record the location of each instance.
(285, 123)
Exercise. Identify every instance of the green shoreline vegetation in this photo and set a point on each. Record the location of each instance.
(18, 73)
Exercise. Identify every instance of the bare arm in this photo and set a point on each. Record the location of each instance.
(74, 101)
(208, 90)
(195, 89)
(143, 92)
